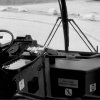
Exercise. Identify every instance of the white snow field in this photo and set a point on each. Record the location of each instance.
(38, 20)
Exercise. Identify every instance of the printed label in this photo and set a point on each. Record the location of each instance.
(93, 87)
(68, 83)
(21, 84)
(68, 92)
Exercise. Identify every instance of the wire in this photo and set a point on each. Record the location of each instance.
(60, 5)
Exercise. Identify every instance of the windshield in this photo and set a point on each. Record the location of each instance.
(38, 17)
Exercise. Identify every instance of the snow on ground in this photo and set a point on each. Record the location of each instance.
(38, 20)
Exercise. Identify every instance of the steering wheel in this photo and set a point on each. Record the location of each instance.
(7, 45)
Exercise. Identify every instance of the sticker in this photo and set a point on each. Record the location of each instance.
(68, 92)
(93, 87)
(21, 84)
(68, 83)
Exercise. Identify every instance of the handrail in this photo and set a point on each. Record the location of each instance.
(71, 20)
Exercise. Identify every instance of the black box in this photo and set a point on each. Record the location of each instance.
(75, 77)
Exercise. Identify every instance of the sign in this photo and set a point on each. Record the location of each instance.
(68, 83)
(21, 84)
(93, 87)
(68, 92)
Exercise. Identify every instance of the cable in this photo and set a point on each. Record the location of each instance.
(60, 5)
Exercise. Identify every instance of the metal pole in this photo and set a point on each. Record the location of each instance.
(64, 17)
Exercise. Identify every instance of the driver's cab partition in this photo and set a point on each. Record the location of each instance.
(66, 76)
(72, 76)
